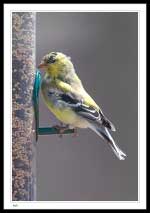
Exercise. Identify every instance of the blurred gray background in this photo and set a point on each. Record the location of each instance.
(104, 50)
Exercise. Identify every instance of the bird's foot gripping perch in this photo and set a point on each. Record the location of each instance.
(75, 134)
(61, 129)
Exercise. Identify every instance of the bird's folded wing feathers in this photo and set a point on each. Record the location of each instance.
(84, 110)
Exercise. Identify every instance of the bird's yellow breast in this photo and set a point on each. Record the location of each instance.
(68, 116)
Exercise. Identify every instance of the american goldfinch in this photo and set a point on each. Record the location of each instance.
(66, 98)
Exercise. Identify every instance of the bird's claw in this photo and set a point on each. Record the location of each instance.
(75, 134)
(61, 129)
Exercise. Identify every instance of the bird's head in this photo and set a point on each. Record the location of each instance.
(56, 64)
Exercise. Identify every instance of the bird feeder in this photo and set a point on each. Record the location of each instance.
(25, 97)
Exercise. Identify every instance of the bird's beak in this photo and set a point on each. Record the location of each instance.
(42, 65)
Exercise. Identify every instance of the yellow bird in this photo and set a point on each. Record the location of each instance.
(66, 98)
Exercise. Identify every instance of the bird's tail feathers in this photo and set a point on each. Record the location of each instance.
(106, 122)
(104, 133)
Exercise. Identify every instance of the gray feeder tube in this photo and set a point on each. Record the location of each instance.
(23, 138)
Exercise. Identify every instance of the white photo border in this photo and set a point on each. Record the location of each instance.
(141, 203)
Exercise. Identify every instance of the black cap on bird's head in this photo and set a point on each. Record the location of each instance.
(48, 59)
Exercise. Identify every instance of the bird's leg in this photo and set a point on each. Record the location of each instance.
(75, 134)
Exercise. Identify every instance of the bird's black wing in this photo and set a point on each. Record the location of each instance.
(83, 110)
(92, 114)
